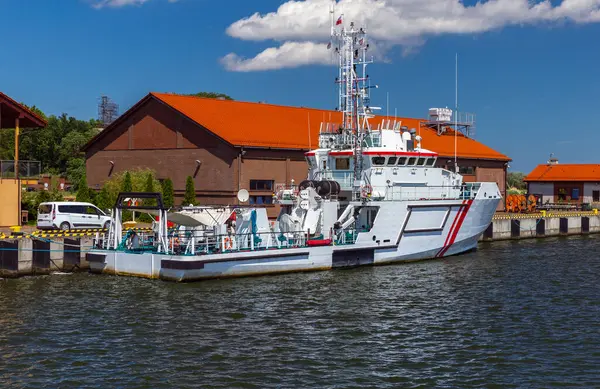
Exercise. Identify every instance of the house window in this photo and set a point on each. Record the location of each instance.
(466, 170)
(596, 196)
(378, 161)
(562, 194)
(342, 163)
(261, 200)
(261, 185)
(575, 194)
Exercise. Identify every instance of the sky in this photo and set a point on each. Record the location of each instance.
(528, 69)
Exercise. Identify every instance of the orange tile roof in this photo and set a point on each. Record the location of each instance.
(276, 126)
(565, 172)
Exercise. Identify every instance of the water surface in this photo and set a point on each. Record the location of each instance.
(511, 315)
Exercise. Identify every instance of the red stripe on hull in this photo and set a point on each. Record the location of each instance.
(458, 226)
(451, 228)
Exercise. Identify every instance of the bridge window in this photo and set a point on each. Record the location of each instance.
(392, 161)
(401, 161)
(421, 161)
(430, 162)
(378, 161)
(411, 161)
(342, 163)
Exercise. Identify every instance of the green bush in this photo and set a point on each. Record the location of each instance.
(83, 192)
(190, 192)
(168, 193)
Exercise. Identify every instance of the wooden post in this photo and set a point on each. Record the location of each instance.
(17, 151)
(17, 169)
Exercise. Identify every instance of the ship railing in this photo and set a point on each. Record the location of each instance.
(467, 191)
(192, 243)
(204, 242)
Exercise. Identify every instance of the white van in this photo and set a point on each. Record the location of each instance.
(68, 215)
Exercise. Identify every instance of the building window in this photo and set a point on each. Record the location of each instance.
(378, 161)
(575, 194)
(466, 170)
(342, 163)
(261, 200)
(562, 194)
(261, 185)
(596, 196)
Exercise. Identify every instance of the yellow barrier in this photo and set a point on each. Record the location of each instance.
(544, 214)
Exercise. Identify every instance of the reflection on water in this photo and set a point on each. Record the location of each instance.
(513, 314)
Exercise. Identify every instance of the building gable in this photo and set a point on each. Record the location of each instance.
(153, 125)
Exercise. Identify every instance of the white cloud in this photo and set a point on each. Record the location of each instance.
(288, 55)
(406, 23)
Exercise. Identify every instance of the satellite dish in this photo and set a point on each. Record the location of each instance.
(304, 194)
(243, 195)
(304, 204)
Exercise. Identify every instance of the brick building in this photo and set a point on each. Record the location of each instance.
(229, 145)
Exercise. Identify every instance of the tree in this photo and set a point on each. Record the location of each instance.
(103, 199)
(515, 180)
(211, 95)
(168, 193)
(149, 183)
(75, 171)
(127, 185)
(83, 193)
(190, 192)
(149, 188)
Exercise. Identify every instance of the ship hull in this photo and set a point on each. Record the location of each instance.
(402, 232)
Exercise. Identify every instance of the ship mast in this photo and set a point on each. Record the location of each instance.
(354, 85)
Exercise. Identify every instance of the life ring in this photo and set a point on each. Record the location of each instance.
(366, 190)
(227, 243)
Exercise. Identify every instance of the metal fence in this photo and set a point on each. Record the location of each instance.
(27, 169)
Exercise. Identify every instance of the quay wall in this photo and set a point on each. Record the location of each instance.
(524, 226)
(24, 256)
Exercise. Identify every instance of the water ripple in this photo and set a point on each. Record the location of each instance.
(511, 315)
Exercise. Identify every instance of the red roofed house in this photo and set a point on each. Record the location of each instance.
(230, 145)
(571, 183)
